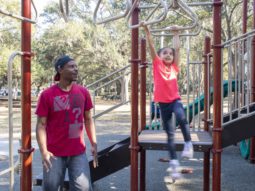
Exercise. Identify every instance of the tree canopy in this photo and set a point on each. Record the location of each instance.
(98, 49)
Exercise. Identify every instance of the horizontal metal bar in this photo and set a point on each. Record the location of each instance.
(196, 62)
(115, 79)
(108, 19)
(109, 109)
(200, 4)
(20, 17)
(109, 75)
(238, 38)
(10, 168)
(180, 35)
(244, 116)
(189, 4)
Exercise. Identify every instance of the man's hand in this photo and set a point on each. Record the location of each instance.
(46, 160)
(94, 154)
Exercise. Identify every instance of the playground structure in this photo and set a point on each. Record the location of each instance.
(227, 123)
(227, 126)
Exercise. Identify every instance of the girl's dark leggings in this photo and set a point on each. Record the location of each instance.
(166, 110)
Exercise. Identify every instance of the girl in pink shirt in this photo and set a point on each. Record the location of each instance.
(166, 93)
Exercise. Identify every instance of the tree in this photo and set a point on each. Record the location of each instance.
(9, 40)
(97, 49)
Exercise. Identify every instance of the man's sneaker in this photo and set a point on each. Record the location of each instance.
(173, 169)
(187, 150)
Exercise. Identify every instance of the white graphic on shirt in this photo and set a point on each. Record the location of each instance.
(75, 128)
(61, 103)
(77, 112)
(168, 73)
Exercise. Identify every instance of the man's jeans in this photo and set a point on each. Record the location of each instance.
(166, 110)
(78, 172)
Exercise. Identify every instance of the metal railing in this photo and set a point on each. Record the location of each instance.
(192, 33)
(108, 80)
(12, 165)
(237, 70)
(20, 17)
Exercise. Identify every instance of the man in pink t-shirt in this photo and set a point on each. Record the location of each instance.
(62, 111)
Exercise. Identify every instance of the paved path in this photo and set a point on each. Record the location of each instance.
(237, 174)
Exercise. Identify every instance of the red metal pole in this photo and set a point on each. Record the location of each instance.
(207, 48)
(245, 12)
(217, 83)
(134, 102)
(252, 147)
(26, 150)
(143, 111)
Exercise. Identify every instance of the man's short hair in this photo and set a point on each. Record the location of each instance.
(60, 62)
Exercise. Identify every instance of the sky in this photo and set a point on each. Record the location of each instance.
(40, 4)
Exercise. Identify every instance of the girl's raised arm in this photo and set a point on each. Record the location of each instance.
(150, 41)
(176, 46)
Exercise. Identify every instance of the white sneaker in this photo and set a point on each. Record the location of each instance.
(188, 151)
(174, 168)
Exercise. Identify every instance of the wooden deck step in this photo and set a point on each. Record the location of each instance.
(157, 140)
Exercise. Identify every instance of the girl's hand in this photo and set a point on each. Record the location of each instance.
(142, 24)
(174, 29)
